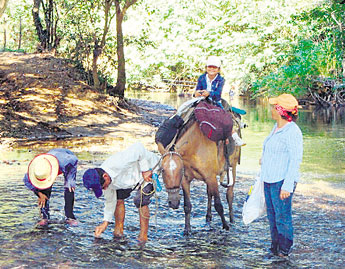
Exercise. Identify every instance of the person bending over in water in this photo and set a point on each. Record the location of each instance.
(117, 177)
(42, 172)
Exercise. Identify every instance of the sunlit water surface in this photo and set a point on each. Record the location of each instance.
(319, 216)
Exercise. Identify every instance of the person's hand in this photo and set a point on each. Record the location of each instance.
(101, 228)
(71, 189)
(284, 194)
(198, 93)
(260, 161)
(42, 198)
(205, 93)
(147, 175)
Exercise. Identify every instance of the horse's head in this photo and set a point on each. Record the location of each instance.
(172, 172)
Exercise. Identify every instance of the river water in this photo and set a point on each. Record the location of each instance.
(319, 208)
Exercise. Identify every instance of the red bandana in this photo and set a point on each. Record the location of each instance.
(284, 112)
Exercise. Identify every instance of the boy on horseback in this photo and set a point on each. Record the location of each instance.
(210, 85)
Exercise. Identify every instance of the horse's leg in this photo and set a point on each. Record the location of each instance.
(213, 188)
(187, 205)
(230, 195)
(209, 205)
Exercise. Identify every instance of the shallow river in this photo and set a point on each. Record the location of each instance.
(319, 210)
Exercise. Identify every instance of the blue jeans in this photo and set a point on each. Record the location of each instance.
(69, 203)
(279, 215)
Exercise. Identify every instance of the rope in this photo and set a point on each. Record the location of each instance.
(154, 184)
(142, 192)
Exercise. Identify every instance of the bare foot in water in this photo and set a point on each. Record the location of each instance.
(141, 242)
(42, 222)
(118, 234)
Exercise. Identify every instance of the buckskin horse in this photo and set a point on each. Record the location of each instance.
(197, 157)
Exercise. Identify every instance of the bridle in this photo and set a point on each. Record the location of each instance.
(171, 153)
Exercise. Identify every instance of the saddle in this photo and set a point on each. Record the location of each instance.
(215, 123)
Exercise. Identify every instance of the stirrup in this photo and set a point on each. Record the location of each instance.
(228, 182)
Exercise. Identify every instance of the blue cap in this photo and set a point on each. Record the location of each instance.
(91, 181)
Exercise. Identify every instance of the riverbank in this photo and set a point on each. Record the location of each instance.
(45, 98)
(36, 116)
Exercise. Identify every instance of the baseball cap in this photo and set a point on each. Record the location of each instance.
(91, 181)
(285, 100)
(213, 61)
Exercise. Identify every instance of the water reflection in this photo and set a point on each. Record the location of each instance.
(323, 135)
(318, 244)
(319, 210)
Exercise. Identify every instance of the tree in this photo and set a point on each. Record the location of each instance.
(99, 45)
(47, 35)
(3, 4)
(121, 68)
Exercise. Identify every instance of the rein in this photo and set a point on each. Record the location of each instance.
(155, 184)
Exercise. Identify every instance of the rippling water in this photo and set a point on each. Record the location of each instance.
(319, 222)
(318, 214)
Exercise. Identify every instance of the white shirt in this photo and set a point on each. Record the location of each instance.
(125, 168)
(209, 82)
(282, 155)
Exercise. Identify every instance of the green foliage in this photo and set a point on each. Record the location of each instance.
(317, 55)
(10, 22)
(266, 46)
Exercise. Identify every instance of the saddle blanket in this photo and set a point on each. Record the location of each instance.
(214, 122)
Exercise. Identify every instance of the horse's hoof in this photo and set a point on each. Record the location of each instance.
(232, 219)
(187, 232)
(226, 226)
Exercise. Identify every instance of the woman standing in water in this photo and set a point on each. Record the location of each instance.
(280, 161)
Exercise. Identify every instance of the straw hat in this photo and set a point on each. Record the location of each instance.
(285, 100)
(43, 170)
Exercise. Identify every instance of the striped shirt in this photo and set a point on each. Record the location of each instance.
(282, 155)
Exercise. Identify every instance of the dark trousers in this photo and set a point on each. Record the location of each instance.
(69, 203)
(279, 215)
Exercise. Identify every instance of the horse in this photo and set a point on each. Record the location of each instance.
(197, 157)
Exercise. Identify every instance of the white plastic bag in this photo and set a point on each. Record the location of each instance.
(255, 205)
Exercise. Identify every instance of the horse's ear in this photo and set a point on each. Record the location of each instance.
(161, 148)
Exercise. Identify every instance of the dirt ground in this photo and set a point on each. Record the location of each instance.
(43, 97)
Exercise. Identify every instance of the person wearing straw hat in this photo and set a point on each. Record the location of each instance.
(280, 162)
(117, 177)
(41, 175)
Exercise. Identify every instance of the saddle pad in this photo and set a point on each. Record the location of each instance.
(214, 122)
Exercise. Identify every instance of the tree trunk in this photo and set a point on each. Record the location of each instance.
(20, 33)
(99, 46)
(3, 4)
(41, 33)
(5, 38)
(121, 68)
(47, 37)
(96, 52)
(120, 87)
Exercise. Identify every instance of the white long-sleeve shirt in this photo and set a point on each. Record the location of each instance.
(282, 155)
(125, 170)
